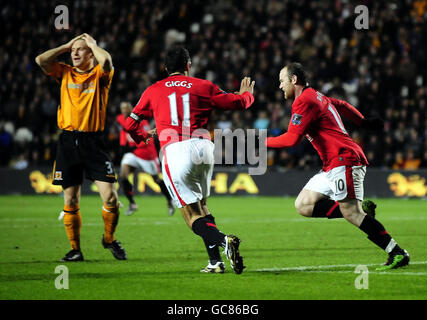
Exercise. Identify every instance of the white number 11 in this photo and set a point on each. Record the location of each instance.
(174, 111)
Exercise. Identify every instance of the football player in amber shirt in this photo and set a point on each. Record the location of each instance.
(81, 148)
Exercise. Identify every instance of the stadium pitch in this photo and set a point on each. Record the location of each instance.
(287, 256)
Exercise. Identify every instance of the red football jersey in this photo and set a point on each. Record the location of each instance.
(315, 116)
(144, 151)
(180, 105)
(125, 139)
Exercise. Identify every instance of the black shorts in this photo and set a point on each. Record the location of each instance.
(81, 153)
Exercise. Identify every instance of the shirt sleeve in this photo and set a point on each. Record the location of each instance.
(136, 131)
(143, 107)
(230, 101)
(120, 120)
(57, 71)
(303, 114)
(347, 111)
(285, 140)
(141, 111)
(106, 78)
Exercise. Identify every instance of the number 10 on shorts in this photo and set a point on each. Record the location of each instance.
(339, 185)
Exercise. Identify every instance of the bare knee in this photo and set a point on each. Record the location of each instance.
(72, 196)
(110, 198)
(306, 201)
(303, 208)
(191, 213)
(71, 200)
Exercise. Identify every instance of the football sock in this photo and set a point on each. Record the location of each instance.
(110, 214)
(204, 228)
(212, 249)
(164, 189)
(73, 223)
(128, 190)
(327, 208)
(378, 235)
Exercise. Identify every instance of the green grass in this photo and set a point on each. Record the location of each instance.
(164, 256)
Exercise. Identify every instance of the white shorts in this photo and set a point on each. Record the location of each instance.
(339, 183)
(149, 166)
(187, 168)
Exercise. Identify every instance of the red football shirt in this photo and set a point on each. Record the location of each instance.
(144, 151)
(125, 139)
(180, 105)
(315, 116)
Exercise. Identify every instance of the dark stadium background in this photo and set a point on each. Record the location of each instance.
(382, 70)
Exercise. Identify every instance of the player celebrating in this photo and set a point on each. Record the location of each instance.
(337, 191)
(81, 148)
(181, 106)
(143, 157)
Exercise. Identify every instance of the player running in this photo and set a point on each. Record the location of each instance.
(336, 191)
(81, 148)
(181, 106)
(143, 157)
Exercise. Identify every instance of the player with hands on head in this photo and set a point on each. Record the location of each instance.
(81, 149)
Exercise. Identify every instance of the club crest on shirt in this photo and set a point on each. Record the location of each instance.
(296, 119)
(58, 175)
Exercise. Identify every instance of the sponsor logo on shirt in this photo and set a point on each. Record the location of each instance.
(86, 87)
(296, 119)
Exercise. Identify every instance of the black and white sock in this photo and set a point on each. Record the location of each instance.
(165, 190)
(378, 235)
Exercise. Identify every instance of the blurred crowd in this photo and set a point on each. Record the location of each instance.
(382, 70)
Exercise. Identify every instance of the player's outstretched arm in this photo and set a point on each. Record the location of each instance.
(347, 111)
(239, 100)
(102, 56)
(47, 60)
(286, 140)
(351, 113)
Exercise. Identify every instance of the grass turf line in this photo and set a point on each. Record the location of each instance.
(165, 256)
